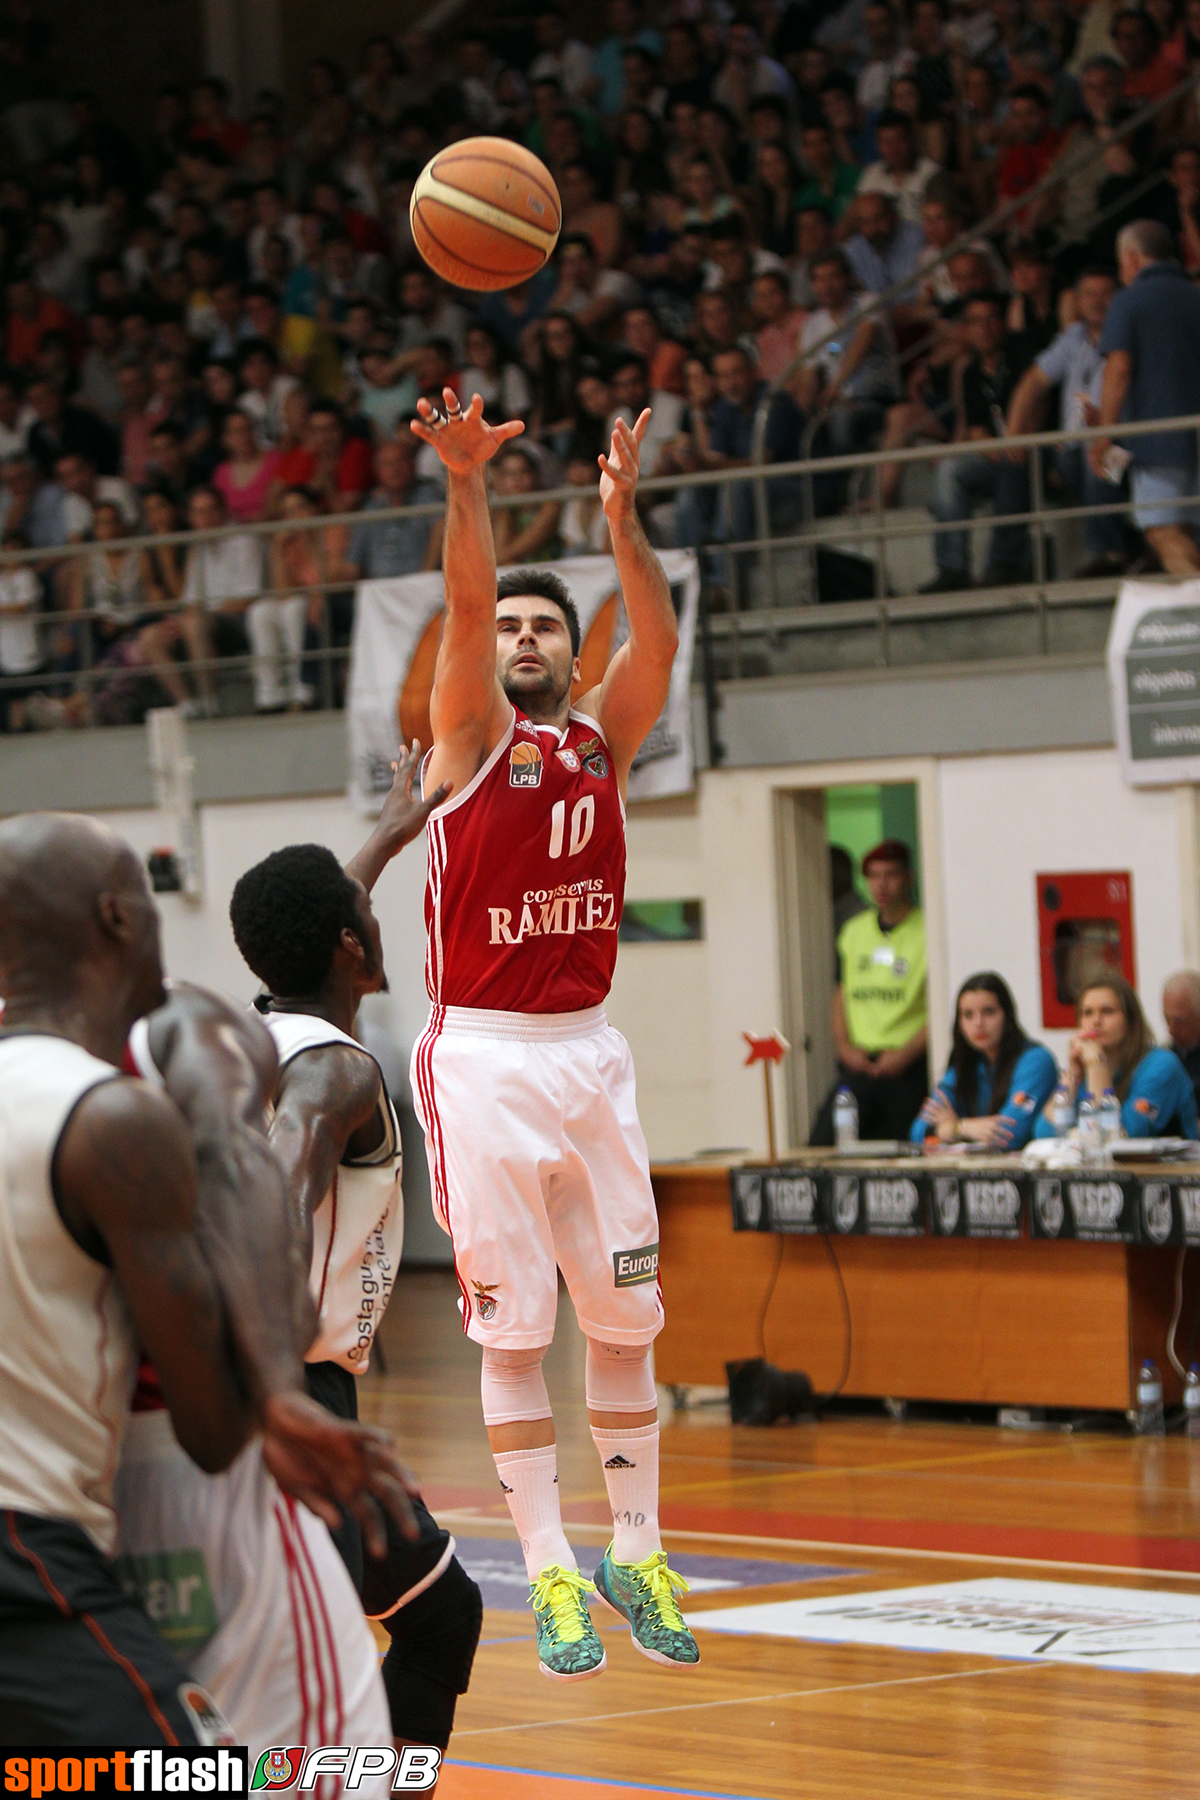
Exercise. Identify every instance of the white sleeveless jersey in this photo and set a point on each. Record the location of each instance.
(67, 1350)
(358, 1229)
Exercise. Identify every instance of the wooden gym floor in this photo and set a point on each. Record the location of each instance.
(886, 1505)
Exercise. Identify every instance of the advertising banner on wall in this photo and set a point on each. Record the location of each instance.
(1154, 679)
(397, 630)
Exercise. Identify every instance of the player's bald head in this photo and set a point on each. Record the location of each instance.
(67, 887)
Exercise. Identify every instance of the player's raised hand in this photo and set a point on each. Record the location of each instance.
(334, 1465)
(463, 440)
(620, 468)
(401, 819)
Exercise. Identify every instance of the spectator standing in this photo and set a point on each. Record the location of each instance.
(1181, 1010)
(1151, 340)
(879, 1004)
(997, 1080)
(1074, 367)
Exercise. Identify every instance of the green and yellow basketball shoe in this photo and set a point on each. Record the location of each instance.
(568, 1648)
(644, 1594)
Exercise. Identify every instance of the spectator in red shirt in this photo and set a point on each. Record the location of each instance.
(1148, 73)
(337, 467)
(31, 314)
(211, 120)
(1034, 146)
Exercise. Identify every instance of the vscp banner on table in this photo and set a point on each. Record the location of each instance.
(1154, 680)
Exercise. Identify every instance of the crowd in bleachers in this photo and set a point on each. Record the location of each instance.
(229, 323)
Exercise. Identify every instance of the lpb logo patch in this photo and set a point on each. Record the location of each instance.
(525, 766)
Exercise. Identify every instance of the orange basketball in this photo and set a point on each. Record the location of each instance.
(485, 213)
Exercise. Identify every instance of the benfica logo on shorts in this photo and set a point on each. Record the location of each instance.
(591, 751)
(525, 766)
(485, 1305)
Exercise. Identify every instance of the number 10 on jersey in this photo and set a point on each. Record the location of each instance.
(583, 820)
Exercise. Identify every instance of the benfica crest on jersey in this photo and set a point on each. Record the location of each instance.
(591, 752)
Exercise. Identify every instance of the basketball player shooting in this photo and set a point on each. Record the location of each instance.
(524, 1090)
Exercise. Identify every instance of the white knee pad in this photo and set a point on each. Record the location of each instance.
(513, 1386)
(620, 1378)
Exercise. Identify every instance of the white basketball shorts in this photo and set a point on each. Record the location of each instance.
(248, 1589)
(538, 1163)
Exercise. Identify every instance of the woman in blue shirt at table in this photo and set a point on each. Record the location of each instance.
(997, 1081)
(1114, 1048)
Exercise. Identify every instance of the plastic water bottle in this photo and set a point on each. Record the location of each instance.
(1091, 1142)
(1062, 1114)
(1191, 1402)
(845, 1118)
(1110, 1118)
(1150, 1422)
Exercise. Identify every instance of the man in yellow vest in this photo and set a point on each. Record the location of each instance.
(879, 1006)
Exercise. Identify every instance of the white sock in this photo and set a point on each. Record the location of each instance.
(630, 1461)
(530, 1482)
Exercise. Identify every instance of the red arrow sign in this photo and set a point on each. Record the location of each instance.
(766, 1049)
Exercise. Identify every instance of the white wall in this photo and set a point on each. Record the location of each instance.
(1007, 818)
(988, 825)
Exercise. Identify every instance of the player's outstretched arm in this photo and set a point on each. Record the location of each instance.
(401, 820)
(634, 689)
(220, 1067)
(467, 708)
(125, 1169)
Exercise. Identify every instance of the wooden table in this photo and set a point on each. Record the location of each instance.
(1019, 1321)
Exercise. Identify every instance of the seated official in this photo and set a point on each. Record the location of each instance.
(879, 1007)
(1114, 1048)
(997, 1080)
(1181, 1010)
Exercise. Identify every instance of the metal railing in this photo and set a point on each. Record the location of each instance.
(740, 607)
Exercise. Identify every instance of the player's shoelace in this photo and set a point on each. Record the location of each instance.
(662, 1584)
(559, 1593)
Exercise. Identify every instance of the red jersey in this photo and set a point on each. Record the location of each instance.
(527, 875)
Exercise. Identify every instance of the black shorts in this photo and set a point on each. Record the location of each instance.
(382, 1581)
(80, 1662)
